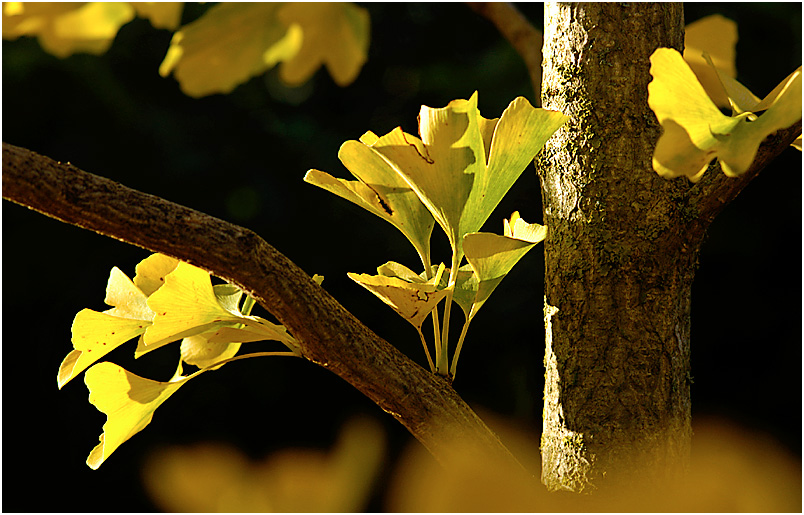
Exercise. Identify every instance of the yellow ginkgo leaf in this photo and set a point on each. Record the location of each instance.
(185, 306)
(198, 350)
(464, 164)
(492, 256)
(228, 45)
(162, 15)
(413, 301)
(381, 190)
(63, 29)
(695, 131)
(128, 401)
(96, 334)
(716, 36)
(151, 272)
(334, 34)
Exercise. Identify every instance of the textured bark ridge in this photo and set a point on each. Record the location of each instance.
(621, 253)
(618, 278)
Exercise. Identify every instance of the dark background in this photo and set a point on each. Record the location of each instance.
(241, 157)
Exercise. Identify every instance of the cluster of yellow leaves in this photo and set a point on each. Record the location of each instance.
(685, 95)
(226, 46)
(233, 42)
(454, 174)
(166, 301)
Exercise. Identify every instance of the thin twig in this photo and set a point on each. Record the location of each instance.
(523, 36)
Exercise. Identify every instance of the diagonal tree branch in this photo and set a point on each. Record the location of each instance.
(716, 190)
(328, 334)
(523, 36)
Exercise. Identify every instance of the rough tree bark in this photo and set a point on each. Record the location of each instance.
(621, 254)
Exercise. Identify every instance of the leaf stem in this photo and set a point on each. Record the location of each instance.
(443, 363)
(428, 274)
(426, 351)
(458, 347)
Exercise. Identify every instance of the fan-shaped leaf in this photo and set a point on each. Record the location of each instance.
(695, 131)
(96, 334)
(335, 34)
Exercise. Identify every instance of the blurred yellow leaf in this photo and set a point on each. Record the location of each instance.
(741, 99)
(217, 478)
(695, 131)
(229, 44)
(96, 334)
(335, 34)
(162, 15)
(716, 36)
(127, 400)
(64, 29)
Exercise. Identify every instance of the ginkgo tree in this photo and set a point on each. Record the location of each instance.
(453, 174)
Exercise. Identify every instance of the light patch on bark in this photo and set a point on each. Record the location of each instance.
(565, 460)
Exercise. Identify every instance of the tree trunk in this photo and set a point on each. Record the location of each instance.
(619, 268)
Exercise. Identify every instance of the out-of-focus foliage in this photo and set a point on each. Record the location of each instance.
(334, 34)
(695, 131)
(731, 471)
(167, 301)
(227, 45)
(66, 28)
(715, 35)
(219, 478)
(162, 15)
(456, 174)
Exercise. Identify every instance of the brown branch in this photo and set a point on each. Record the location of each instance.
(523, 36)
(716, 190)
(328, 334)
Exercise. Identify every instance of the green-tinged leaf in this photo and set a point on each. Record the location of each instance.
(394, 269)
(185, 306)
(695, 131)
(716, 36)
(464, 290)
(520, 133)
(413, 301)
(466, 284)
(229, 44)
(96, 334)
(162, 15)
(67, 28)
(441, 166)
(492, 256)
(464, 164)
(381, 191)
(127, 400)
(334, 34)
